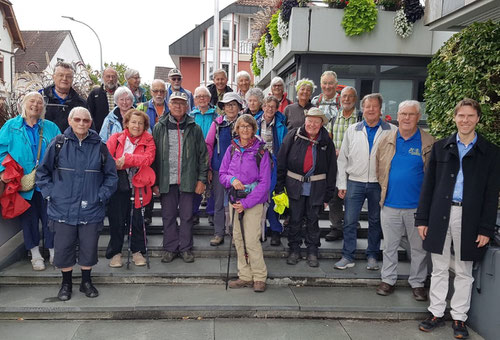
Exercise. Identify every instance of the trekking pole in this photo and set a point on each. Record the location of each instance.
(130, 228)
(144, 227)
(240, 218)
(230, 246)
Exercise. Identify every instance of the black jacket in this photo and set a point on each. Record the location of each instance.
(213, 93)
(98, 106)
(291, 157)
(58, 113)
(481, 169)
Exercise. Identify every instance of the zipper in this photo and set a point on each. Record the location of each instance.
(90, 170)
(66, 169)
(178, 154)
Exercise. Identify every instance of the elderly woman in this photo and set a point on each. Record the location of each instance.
(246, 168)
(272, 130)
(278, 91)
(218, 140)
(77, 177)
(243, 81)
(307, 168)
(295, 113)
(133, 151)
(328, 100)
(133, 80)
(113, 123)
(25, 138)
(255, 99)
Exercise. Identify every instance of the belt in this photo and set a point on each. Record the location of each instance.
(303, 179)
(456, 204)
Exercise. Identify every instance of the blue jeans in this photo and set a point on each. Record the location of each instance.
(355, 196)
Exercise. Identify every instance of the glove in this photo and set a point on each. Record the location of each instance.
(280, 202)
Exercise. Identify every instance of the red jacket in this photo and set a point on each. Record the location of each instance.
(12, 203)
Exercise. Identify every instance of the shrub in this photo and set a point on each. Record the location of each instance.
(359, 16)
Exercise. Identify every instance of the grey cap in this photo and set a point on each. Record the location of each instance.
(229, 97)
(174, 72)
(178, 95)
(316, 112)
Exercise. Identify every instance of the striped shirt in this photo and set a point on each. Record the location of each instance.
(336, 128)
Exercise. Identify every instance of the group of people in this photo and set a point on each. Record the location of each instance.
(240, 149)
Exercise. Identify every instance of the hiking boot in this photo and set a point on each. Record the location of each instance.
(38, 264)
(138, 259)
(275, 238)
(420, 294)
(372, 264)
(217, 240)
(430, 323)
(344, 263)
(239, 283)
(312, 260)
(293, 258)
(65, 292)
(259, 286)
(89, 290)
(334, 235)
(385, 289)
(116, 261)
(168, 257)
(148, 221)
(187, 256)
(459, 329)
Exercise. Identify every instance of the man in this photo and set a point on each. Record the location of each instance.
(60, 98)
(458, 203)
(278, 91)
(132, 81)
(328, 99)
(100, 100)
(357, 180)
(157, 105)
(337, 127)
(181, 165)
(218, 88)
(175, 79)
(401, 159)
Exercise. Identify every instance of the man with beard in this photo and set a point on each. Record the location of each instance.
(175, 79)
(100, 100)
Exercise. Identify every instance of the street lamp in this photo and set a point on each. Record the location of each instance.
(99, 40)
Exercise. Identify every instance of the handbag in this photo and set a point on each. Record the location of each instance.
(28, 180)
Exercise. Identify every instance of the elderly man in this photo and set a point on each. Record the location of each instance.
(458, 204)
(60, 98)
(157, 105)
(401, 159)
(100, 100)
(357, 180)
(328, 99)
(278, 91)
(175, 80)
(132, 81)
(181, 165)
(218, 88)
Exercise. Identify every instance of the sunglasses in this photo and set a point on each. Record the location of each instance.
(176, 78)
(84, 120)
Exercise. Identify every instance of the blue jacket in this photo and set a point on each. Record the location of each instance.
(204, 120)
(111, 125)
(188, 94)
(14, 140)
(149, 108)
(82, 183)
(218, 139)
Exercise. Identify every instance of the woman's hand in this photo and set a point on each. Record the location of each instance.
(238, 207)
(237, 184)
(120, 162)
(156, 190)
(3, 179)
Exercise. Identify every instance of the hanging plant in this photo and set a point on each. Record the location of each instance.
(359, 16)
(255, 67)
(336, 3)
(273, 28)
(282, 28)
(402, 26)
(262, 45)
(286, 9)
(413, 10)
(389, 5)
(260, 60)
(269, 46)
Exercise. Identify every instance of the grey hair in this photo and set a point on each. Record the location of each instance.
(256, 92)
(269, 99)
(220, 71)
(120, 91)
(202, 89)
(247, 118)
(65, 65)
(406, 103)
(349, 88)
(370, 96)
(243, 74)
(329, 73)
(161, 81)
(277, 80)
(130, 72)
(25, 100)
(79, 109)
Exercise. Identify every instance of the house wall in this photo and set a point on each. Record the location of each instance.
(190, 69)
(6, 51)
(68, 52)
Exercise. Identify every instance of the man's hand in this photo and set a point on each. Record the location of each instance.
(337, 151)
(482, 240)
(237, 184)
(210, 176)
(156, 190)
(422, 231)
(200, 188)
(238, 207)
(342, 193)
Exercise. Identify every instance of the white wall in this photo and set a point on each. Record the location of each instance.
(6, 45)
(68, 52)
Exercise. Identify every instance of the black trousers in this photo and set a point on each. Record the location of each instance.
(119, 215)
(299, 211)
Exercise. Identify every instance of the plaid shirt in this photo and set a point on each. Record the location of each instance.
(336, 128)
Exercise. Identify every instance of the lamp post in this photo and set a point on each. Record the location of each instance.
(99, 40)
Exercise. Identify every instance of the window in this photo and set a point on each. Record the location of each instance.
(203, 71)
(394, 92)
(225, 34)
(234, 73)
(210, 71)
(225, 67)
(211, 36)
(235, 34)
(1, 68)
(204, 39)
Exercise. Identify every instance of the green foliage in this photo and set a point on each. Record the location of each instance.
(273, 29)
(359, 16)
(255, 68)
(467, 65)
(262, 46)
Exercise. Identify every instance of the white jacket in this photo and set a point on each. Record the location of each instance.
(355, 162)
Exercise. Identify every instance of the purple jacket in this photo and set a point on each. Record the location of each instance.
(243, 166)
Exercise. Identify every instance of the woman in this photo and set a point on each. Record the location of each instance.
(255, 99)
(272, 129)
(132, 81)
(77, 177)
(25, 138)
(328, 100)
(307, 168)
(113, 123)
(243, 81)
(295, 113)
(133, 150)
(242, 171)
(218, 140)
(278, 91)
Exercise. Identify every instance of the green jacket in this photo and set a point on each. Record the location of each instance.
(194, 156)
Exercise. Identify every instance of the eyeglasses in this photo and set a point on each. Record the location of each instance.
(202, 96)
(245, 127)
(158, 91)
(182, 103)
(230, 104)
(84, 120)
(176, 78)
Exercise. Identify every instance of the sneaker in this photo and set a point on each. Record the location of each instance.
(89, 290)
(334, 235)
(167, 257)
(385, 289)
(38, 264)
(116, 261)
(459, 329)
(235, 284)
(187, 256)
(138, 259)
(312, 260)
(275, 238)
(420, 294)
(344, 263)
(372, 264)
(259, 286)
(293, 258)
(216, 240)
(430, 323)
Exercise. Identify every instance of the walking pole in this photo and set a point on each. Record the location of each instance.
(130, 227)
(240, 218)
(230, 248)
(144, 227)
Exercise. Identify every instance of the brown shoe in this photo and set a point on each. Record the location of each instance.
(259, 286)
(385, 289)
(217, 240)
(240, 284)
(420, 294)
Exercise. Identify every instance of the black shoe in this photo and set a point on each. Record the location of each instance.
(196, 220)
(187, 256)
(459, 329)
(211, 220)
(430, 323)
(148, 221)
(89, 290)
(65, 292)
(334, 235)
(275, 238)
(293, 258)
(168, 257)
(312, 260)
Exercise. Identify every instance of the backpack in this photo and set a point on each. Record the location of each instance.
(258, 156)
(61, 139)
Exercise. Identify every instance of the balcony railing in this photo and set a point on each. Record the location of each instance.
(245, 47)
